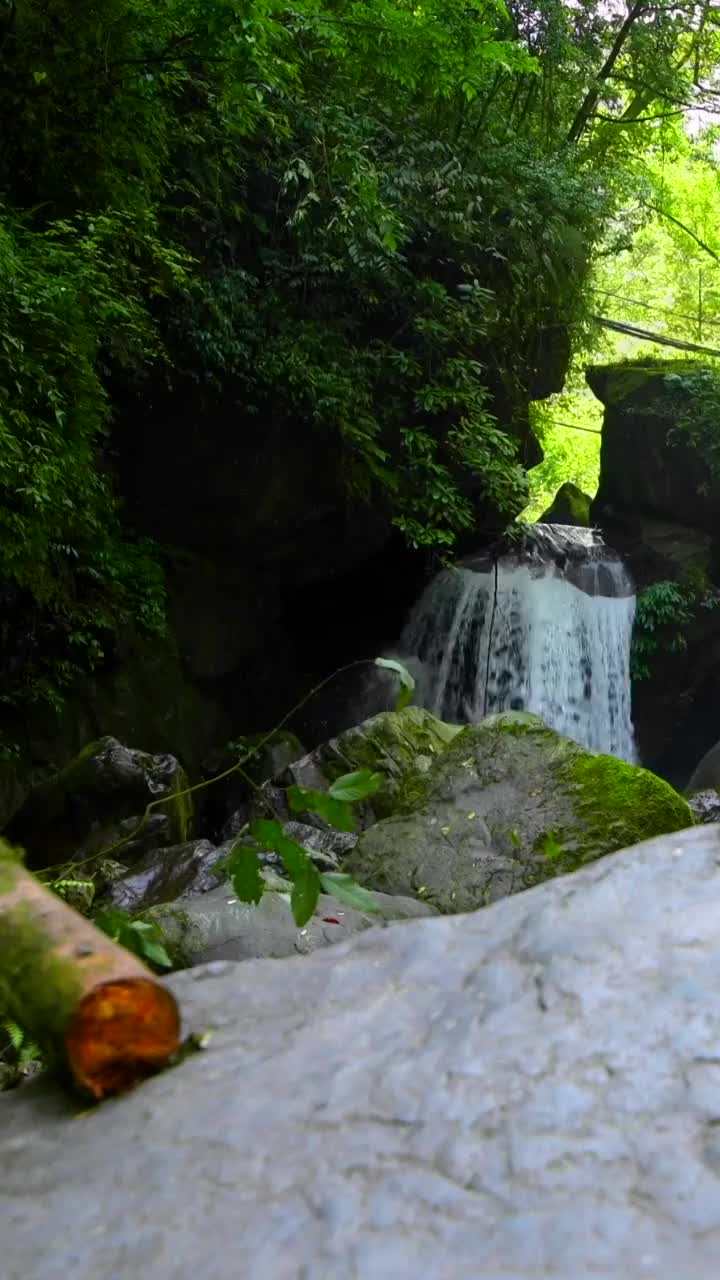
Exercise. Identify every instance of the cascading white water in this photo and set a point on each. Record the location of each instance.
(546, 630)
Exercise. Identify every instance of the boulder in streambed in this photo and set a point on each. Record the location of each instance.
(401, 745)
(217, 926)
(510, 803)
(525, 1093)
(165, 875)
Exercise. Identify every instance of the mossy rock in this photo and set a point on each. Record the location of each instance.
(508, 804)
(401, 745)
(635, 381)
(569, 506)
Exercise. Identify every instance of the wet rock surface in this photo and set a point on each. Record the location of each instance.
(705, 805)
(527, 1093)
(166, 875)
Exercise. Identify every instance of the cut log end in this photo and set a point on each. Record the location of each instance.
(120, 1033)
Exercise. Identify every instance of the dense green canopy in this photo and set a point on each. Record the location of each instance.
(375, 217)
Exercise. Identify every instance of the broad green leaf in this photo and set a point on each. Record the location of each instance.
(356, 786)
(347, 890)
(156, 953)
(270, 835)
(266, 831)
(329, 806)
(305, 893)
(243, 867)
(112, 921)
(146, 939)
(143, 937)
(407, 682)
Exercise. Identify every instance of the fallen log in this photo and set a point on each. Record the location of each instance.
(92, 1007)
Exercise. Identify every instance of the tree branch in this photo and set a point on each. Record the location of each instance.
(627, 120)
(656, 208)
(592, 96)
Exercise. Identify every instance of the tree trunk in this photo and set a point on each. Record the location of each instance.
(92, 1006)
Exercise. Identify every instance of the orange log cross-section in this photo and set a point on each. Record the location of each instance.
(92, 1006)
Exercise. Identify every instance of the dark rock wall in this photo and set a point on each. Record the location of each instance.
(276, 576)
(658, 504)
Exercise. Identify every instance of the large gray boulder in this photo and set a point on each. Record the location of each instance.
(528, 1093)
(217, 926)
(401, 745)
(508, 804)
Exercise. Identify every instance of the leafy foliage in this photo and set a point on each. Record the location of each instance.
(18, 1054)
(142, 937)
(367, 219)
(243, 864)
(572, 452)
(695, 399)
(664, 611)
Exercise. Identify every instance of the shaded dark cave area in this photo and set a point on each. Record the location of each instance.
(309, 632)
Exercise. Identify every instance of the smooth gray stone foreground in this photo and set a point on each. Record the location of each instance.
(529, 1091)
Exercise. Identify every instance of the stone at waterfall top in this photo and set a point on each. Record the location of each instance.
(526, 1093)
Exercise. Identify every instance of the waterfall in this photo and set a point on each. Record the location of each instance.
(544, 628)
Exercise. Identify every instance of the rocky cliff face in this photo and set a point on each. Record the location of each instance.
(282, 574)
(276, 577)
(658, 502)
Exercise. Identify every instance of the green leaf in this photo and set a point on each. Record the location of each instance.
(308, 800)
(356, 786)
(269, 833)
(243, 867)
(148, 940)
(143, 937)
(407, 682)
(15, 1032)
(305, 894)
(347, 890)
(112, 921)
(156, 953)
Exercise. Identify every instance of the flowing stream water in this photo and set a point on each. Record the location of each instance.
(546, 629)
